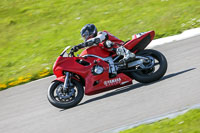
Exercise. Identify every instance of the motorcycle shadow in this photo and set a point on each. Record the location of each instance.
(132, 87)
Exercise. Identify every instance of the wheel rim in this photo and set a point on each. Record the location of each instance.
(153, 69)
(60, 95)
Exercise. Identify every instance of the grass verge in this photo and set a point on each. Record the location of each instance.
(186, 123)
(34, 32)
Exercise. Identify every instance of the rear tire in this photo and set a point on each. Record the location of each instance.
(151, 75)
(73, 101)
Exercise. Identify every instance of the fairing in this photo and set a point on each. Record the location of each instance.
(137, 44)
(93, 83)
(93, 50)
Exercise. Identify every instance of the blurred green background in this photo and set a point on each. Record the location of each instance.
(34, 32)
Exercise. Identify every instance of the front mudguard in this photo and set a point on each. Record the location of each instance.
(60, 79)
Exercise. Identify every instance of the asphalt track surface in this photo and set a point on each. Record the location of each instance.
(25, 108)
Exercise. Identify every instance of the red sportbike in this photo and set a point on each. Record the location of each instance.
(90, 72)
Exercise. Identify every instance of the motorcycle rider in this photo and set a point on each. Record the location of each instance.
(92, 38)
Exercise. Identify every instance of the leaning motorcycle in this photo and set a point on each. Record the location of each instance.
(89, 73)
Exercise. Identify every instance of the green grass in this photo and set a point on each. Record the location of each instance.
(34, 32)
(186, 123)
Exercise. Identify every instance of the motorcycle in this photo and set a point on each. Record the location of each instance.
(90, 72)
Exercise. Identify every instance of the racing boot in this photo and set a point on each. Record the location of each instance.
(128, 55)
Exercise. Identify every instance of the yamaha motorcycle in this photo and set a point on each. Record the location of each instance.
(90, 72)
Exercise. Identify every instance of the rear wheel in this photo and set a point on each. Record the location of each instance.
(62, 99)
(154, 73)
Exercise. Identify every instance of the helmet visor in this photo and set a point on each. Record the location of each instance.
(85, 35)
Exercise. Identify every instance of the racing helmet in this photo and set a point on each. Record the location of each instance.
(88, 31)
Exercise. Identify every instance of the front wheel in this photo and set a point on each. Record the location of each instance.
(154, 73)
(62, 99)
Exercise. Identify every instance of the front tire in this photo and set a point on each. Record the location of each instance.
(151, 75)
(60, 102)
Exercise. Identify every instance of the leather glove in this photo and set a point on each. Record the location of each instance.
(74, 49)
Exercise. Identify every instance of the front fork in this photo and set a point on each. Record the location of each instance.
(67, 81)
(68, 87)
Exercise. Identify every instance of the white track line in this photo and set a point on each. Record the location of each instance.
(152, 120)
(186, 34)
